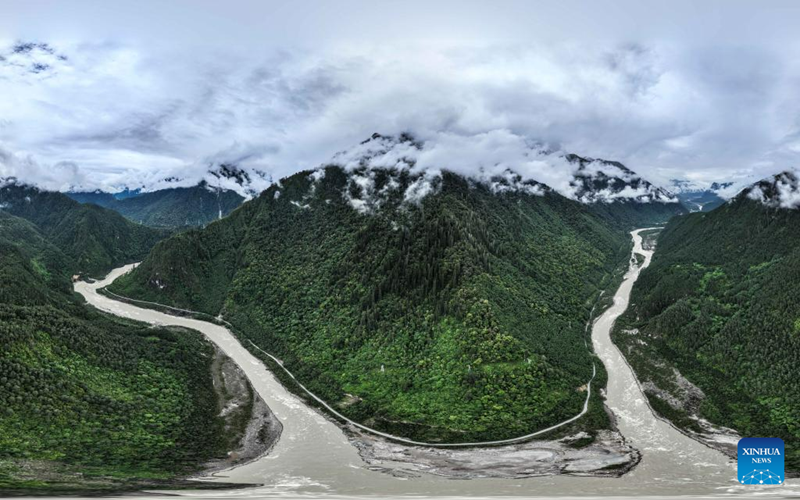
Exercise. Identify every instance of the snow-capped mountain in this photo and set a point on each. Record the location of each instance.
(504, 168)
(597, 180)
(779, 191)
(698, 196)
(678, 186)
(247, 183)
(704, 197)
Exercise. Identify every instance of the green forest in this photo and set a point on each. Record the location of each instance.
(721, 303)
(459, 319)
(93, 238)
(173, 208)
(88, 401)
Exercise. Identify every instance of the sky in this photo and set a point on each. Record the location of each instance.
(113, 94)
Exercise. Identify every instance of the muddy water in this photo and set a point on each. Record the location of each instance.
(314, 457)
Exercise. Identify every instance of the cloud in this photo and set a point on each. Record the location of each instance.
(26, 169)
(140, 104)
(779, 191)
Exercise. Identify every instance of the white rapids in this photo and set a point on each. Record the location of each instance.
(314, 457)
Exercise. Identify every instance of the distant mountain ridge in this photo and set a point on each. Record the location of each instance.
(782, 190)
(94, 237)
(701, 197)
(597, 180)
(589, 180)
(177, 207)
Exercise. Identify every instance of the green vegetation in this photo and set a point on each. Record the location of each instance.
(103, 396)
(459, 319)
(170, 208)
(87, 401)
(93, 238)
(720, 303)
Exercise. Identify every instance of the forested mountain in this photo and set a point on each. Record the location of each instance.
(721, 304)
(455, 315)
(619, 194)
(96, 197)
(175, 207)
(88, 401)
(94, 238)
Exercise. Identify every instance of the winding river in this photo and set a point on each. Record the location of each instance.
(315, 458)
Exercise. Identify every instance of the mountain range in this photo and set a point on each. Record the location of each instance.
(699, 197)
(427, 303)
(713, 329)
(94, 238)
(176, 207)
(90, 402)
(437, 307)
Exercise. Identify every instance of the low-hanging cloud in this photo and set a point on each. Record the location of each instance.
(137, 114)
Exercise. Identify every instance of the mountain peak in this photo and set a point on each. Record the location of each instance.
(598, 180)
(779, 191)
(503, 162)
(246, 182)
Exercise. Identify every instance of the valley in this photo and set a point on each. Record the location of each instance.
(256, 249)
(712, 331)
(315, 455)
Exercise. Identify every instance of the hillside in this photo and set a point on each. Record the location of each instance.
(720, 304)
(90, 402)
(93, 238)
(452, 318)
(87, 401)
(32, 270)
(176, 207)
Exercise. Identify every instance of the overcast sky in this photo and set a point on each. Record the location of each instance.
(119, 93)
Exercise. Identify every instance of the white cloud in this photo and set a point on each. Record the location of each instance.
(154, 97)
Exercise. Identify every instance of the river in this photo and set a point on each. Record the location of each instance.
(315, 458)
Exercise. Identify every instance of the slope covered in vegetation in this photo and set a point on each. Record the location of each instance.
(88, 401)
(170, 208)
(721, 304)
(94, 238)
(458, 318)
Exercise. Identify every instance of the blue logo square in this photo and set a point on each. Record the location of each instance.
(761, 461)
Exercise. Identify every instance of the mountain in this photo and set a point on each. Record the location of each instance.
(779, 191)
(94, 238)
(87, 401)
(714, 326)
(621, 194)
(177, 207)
(171, 207)
(33, 271)
(699, 197)
(610, 188)
(597, 180)
(431, 306)
(96, 197)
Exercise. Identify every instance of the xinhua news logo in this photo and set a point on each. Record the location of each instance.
(761, 461)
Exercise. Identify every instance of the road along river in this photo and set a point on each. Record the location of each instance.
(314, 457)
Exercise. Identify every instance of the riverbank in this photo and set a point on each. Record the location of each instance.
(314, 457)
(250, 424)
(606, 454)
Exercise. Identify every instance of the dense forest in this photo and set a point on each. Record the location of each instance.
(93, 238)
(461, 318)
(721, 304)
(169, 208)
(88, 401)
